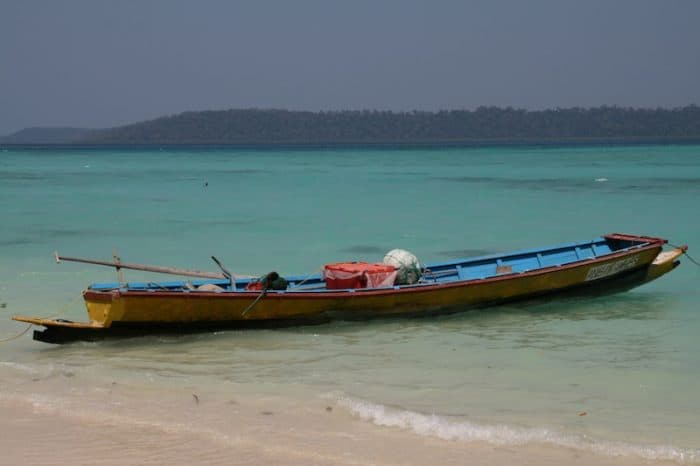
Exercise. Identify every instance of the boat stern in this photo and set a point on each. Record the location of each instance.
(61, 330)
(103, 307)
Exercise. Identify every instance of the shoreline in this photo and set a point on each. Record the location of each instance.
(118, 424)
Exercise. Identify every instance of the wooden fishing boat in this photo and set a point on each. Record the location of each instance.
(606, 264)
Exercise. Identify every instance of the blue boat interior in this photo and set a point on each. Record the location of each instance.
(475, 268)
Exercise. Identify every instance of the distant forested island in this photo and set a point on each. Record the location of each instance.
(485, 125)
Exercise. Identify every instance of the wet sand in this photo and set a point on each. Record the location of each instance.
(198, 430)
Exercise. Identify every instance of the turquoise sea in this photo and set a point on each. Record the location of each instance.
(617, 375)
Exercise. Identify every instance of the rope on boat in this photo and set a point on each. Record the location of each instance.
(29, 326)
(5, 340)
(158, 285)
(250, 306)
(308, 277)
(685, 253)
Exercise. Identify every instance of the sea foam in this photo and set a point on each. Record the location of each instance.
(499, 434)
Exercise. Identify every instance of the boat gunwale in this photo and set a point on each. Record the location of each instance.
(648, 243)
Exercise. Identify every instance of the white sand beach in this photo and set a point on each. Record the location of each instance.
(183, 427)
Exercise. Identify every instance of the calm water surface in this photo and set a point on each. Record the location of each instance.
(617, 374)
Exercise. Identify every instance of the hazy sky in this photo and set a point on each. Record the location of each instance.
(99, 63)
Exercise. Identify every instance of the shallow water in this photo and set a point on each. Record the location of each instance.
(617, 374)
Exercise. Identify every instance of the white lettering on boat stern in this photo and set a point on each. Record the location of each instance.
(611, 268)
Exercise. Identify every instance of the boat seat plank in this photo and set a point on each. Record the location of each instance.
(521, 263)
(601, 249)
(558, 257)
(585, 252)
(478, 271)
(461, 273)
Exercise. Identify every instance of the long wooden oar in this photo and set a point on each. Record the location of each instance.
(147, 268)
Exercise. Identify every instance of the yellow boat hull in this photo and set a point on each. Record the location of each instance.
(108, 308)
(128, 309)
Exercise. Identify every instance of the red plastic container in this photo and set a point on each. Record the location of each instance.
(344, 275)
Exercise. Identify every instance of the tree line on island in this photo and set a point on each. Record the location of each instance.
(483, 125)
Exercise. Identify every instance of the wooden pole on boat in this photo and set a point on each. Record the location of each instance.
(145, 268)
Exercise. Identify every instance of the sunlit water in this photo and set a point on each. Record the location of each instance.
(617, 374)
